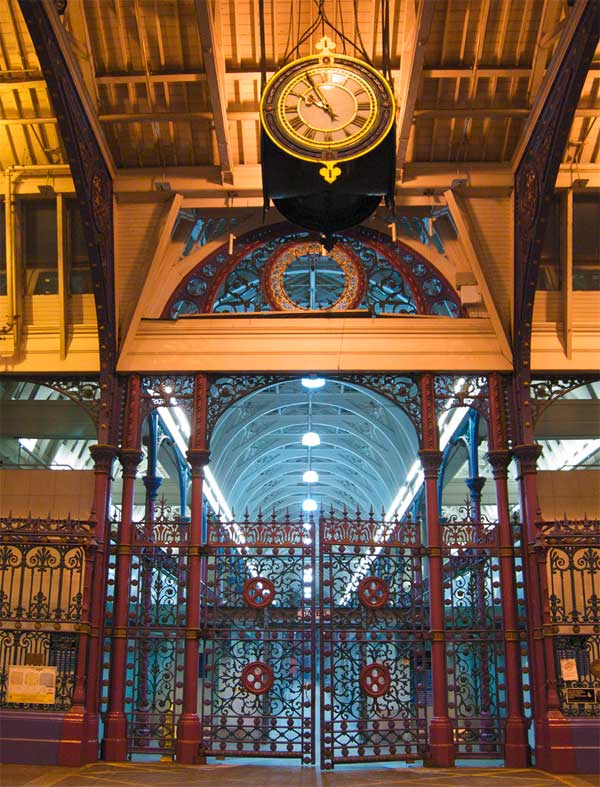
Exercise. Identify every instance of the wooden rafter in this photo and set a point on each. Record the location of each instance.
(214, 63)
(84, 97)
(547, 30)
(416, 34)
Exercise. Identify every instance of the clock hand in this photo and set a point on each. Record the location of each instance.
(312, 101)
(317, 90)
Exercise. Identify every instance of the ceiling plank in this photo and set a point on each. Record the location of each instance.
(214, 62)
(416, 33)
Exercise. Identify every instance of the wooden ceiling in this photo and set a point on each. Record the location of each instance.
(176, 83)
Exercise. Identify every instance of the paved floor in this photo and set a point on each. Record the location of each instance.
(104, 774)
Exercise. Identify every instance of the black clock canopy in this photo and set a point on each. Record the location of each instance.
(316, 189)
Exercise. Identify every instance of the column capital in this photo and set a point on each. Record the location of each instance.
(103, 456)
(499, 461)
(130, 459)
(431, 460)
(152, 484)
(198, 459)
(527, 456)
(475, 485)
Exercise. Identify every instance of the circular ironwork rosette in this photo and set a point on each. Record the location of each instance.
(258, 592)
(373, 592)
(375, 679)
(257, 677)
(300, 278)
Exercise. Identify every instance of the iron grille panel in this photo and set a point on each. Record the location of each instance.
(373, 621)
(252, 640)
(475, 637)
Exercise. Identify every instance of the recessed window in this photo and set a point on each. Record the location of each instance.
(549, 277)
(80, 274)
(586, 241)
(40, 247)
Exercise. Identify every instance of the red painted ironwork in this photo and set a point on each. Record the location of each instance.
(361, 645)
(373, 592)
(258, 592)
(188, 725)
(115, 746)
(272, 712)
(441, 737)
(516, 747)
(375, 679)
(257, 677)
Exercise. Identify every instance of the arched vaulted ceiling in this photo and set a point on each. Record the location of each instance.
(368, 444)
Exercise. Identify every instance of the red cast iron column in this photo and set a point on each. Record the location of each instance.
(115, 735)
(553, 740)
(516, 747)
(440, 729)
(517, 753)
(188, 726)
(79, 732)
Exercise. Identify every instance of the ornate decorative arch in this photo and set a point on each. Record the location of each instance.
(402, 390)
(382, 268)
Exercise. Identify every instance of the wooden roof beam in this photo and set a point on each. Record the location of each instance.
(233, 74)
(549, 25)
(562, 50)
(83, 95)
(214, 63)
(416, 34)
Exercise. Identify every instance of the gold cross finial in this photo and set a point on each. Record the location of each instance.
(325, 47)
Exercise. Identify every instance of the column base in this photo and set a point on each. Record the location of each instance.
(571, 745)
(78, 739)
(517, 753)
(441, 744)
(114, 745)
(187, 745)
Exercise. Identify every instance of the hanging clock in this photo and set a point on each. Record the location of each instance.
(327, 109)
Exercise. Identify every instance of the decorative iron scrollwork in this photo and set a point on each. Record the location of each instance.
(394, 279)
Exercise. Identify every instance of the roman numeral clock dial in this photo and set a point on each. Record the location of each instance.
(327, 109)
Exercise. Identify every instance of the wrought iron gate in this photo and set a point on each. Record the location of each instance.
(258, 660)
(374, 655)
(268, 611)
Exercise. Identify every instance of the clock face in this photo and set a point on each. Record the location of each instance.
(327, 109)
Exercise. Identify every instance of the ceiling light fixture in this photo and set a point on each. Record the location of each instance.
(310, 477)
(309, 504)
(311, 439)
(313, 382)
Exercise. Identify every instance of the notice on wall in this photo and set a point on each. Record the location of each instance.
(31, 684)
(568, 669)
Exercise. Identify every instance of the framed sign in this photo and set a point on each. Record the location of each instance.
(31, 685)
(568, 669)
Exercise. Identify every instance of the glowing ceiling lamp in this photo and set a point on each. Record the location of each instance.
(313, 382)
(311, 439)
(309, 504)
(310, 477)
